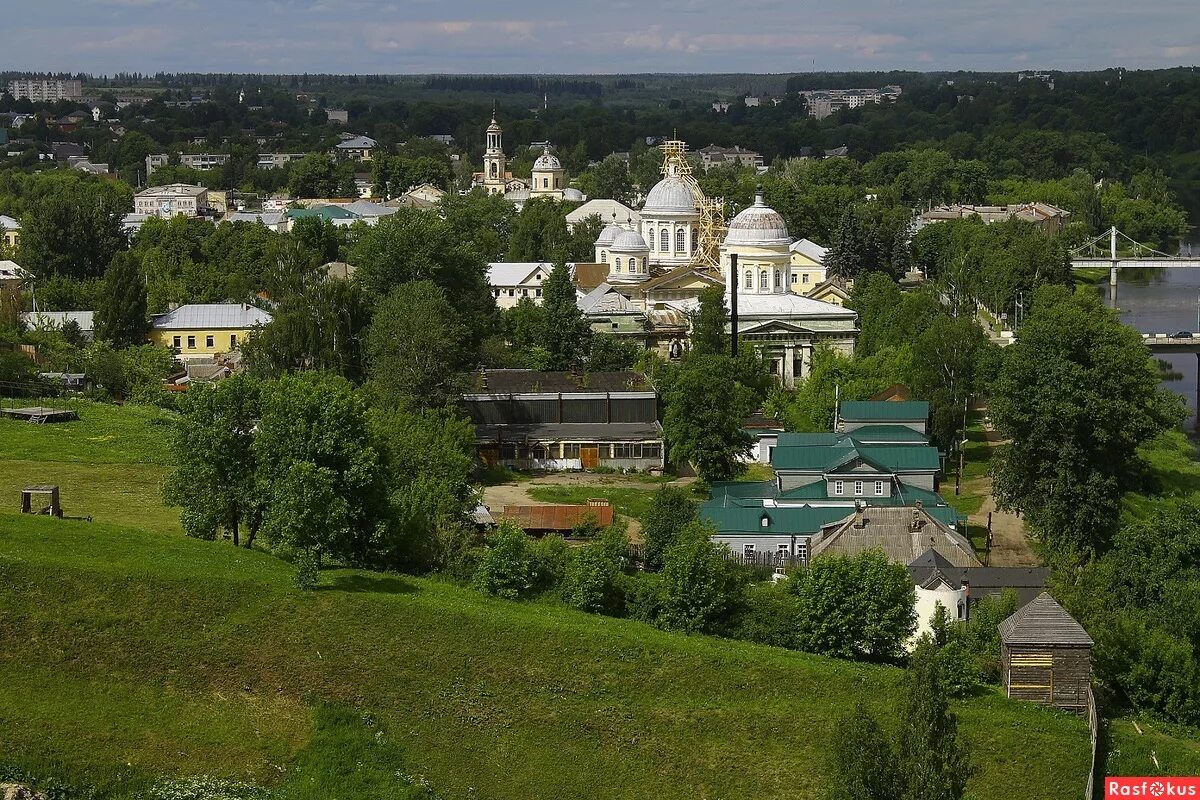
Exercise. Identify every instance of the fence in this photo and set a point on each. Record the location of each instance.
(1096, 772)
(763, 563)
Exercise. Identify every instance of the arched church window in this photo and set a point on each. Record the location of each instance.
(618, 264)
(603, 256)
(493, 169)
(633, 265)
(680, 239)
(663, 241)
(762, 280)
(749, 279)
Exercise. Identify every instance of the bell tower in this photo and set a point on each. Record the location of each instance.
(493, 159)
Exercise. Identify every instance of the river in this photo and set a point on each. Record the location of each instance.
(1166, 301)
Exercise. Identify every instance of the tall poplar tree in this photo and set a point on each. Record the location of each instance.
(567, 335)
(121, 312)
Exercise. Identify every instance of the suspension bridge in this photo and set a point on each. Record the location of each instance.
(1093, 254)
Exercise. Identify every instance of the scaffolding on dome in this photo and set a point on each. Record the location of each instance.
(712, 209)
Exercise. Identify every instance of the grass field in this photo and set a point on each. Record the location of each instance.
(129, 653)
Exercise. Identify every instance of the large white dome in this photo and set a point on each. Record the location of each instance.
(629, 242)
(758, 225)
(671, 195)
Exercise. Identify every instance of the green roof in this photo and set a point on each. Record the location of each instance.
(741, 489)
(813, 440)
(805, 520)
(808, 458)
(901, 458)
(888, 434)
(884, 410)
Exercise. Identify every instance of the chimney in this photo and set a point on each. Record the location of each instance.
(733, 305)
(917, 522)
(860, 521)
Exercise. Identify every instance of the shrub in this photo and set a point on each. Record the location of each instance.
(506, 567)
(592, 579)
(670, 511)
(701, 589)
(643, 593)
(770, 615)
(548, 559)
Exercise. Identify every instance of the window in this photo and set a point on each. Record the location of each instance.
(837, 487)
(208, 341)
(804, 278)
(878, 488)
(663, 240)
(537, 292)
(961, 609)
(680, 240)
(778, 279)
(749, 279)
(748, 551)
(794, 276)
(693, 239)
(545, 183)
(802, 551)
(191, 343)
(175, 342)
(512, 292)
(571, 450)
(627, 450)
(233, 340)
(858, 488)
(497, 292)
(618, 262)
(603, 256)
(762, 280)
(524, 293)
(652, 450)
(784, 550)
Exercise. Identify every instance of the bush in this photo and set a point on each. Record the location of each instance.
(592, 581)
(670, 510)
(643, 593)
(548, 558)
(702, 591)
(770, 615)
(506, 567)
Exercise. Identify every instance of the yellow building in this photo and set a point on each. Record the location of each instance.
(10, 233)
(808, 266)
(207, 329)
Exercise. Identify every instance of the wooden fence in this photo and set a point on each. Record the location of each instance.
(763, 563)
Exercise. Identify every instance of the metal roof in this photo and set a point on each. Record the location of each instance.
(531, 381)
(558, 517)
(570, 432)
(892, 530)
(56, 319)
(1044, 621)
(803, 521)
(884, 410)
(202, 316)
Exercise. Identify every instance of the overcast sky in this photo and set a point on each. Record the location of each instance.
(610, 36)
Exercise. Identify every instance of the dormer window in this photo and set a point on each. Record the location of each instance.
(765, 521)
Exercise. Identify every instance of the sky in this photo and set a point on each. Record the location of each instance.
(610, 36)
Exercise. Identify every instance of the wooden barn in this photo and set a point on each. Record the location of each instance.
(1046, 655)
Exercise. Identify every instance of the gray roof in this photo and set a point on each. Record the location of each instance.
(1044, 621)
(211, 315)
(570, 431)
(358, 143)
(1027, 582)
(56, 319)
(528, 381)
(892, 530)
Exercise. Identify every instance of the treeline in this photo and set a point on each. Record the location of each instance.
(513, 84)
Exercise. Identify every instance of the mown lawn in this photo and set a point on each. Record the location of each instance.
(109, 464)
(147, 655)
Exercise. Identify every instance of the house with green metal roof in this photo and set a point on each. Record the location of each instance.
(854, 414)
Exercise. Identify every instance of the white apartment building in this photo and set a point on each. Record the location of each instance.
(40, 90)
(172, 200)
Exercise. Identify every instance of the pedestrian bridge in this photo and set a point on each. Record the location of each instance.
(1091, 255)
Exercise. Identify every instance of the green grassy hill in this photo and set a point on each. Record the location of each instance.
(129, 653)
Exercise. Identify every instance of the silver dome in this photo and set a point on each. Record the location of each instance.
(671, 195)
(610, 232)
(629, 242)
(759, 225)
(546, 161)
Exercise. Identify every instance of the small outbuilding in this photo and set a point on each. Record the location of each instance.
(1046, 655)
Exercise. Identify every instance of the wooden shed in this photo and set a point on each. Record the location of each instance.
(1046, 655)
